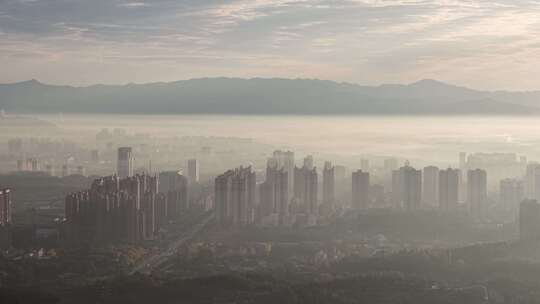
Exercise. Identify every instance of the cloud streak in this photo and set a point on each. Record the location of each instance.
(477, 43)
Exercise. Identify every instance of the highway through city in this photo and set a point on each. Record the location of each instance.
(154, 261)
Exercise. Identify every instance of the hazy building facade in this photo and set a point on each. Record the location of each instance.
(193, 170)
(530, 185)
(511, 192)
(94, 156)
(306, 189)
(407, 187)
(430, 186)
(114, 210)
(274, 196)
(535, 191)
(308, 162)
(377, 195)
(5, 207)
(463, 161)
(124, 162)
(529, 220)
(360, 190)
(174, 187)
(285, 160)
(223, 197)
(329, 183)
(29, 164)
(477, 192)
(34, 164)
(364, 165)
(448, 189)
(235, 197)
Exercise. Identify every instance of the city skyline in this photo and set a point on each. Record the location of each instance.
(269, 151)
(169, 220)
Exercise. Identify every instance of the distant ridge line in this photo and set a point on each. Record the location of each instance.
(269, 96)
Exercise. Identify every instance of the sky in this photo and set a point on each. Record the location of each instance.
(483, 44)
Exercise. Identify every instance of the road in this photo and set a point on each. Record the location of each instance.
(154, 261)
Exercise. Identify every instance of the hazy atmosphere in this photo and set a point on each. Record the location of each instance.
(269, 151)
(481, 44)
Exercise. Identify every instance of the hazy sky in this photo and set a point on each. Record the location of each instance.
(488, 44)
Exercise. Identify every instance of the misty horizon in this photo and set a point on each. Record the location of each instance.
(275, 96)
(269, 151)
(382, 84)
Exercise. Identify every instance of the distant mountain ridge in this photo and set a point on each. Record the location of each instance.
(265, 96)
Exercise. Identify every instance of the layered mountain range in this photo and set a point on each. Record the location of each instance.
(267, 96)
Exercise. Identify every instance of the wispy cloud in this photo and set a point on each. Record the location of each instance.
(368, 41)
